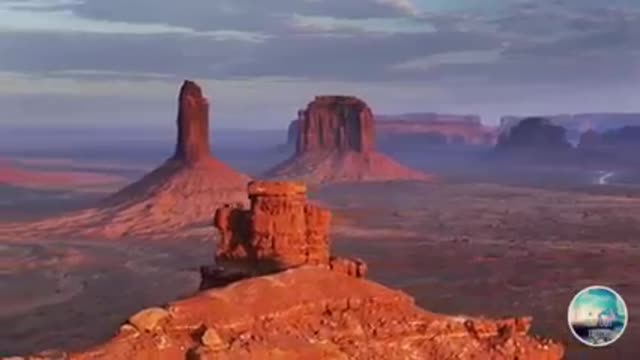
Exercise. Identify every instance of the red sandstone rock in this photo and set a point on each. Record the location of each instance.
(312, 313)
(421, 129)
(280, 231)
(342, 123)
(172, 201)
(336, 143)
(193, 124)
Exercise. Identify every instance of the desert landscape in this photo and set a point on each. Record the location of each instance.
(327, 179)
(469, 241)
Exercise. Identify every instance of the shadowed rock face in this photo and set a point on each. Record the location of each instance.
(532, 133)
(342, 123)
(293, 130)
(193, 124)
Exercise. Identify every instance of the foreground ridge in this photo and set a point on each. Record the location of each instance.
(300, 307)
(313, 313)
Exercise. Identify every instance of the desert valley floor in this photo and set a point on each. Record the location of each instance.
(457, 247)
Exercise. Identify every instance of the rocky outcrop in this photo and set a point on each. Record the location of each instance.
(421, 129)
(293, 300)
(279, 231)
(173, 201)
(342, 123)
(433, 129)
(576, 124)
(616, 147)
(192, 144)
(336, 143)
(534, 133)
(313, 313)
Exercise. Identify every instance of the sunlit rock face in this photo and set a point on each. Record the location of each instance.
(280, 230)
(336, 143)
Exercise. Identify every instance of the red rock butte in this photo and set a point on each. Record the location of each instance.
(336, 143)
(279, 231)
(179, 195)
(303, 308)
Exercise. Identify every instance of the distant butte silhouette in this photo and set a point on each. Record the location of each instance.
(179, 195)
(336, 143)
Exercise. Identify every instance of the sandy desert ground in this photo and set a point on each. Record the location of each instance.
(459, 247)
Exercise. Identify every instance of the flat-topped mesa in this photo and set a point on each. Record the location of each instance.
(280, 231)
(336, 123)
(193, 124)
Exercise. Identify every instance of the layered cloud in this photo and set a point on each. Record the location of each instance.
(436, 50)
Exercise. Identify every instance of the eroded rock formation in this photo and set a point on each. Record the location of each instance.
(279, 231)
(313, 307)
(534, 133)
(576, 124)
(172, 201)
(336, 143)
(312, 313)
(342, 123)
(430, 128)
(420, 129)
(192, 144)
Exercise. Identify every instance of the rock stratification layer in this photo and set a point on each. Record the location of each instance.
(341, 123)
(279, 231)
(336, 143)
(172, 201)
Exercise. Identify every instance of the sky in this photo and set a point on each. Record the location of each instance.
(120, 63)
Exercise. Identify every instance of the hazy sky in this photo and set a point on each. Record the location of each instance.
(120, 62)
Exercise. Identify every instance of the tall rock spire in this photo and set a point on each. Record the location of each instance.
(193, 124)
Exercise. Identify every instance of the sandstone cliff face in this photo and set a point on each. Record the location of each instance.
(342, 123)
(279, 231)
(419, 130)
(172, 201)
(312, 313)
(336, 143)
(192, 144)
